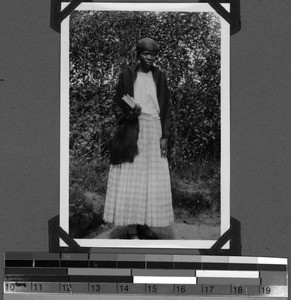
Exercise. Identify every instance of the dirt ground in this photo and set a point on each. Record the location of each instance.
(202, 227)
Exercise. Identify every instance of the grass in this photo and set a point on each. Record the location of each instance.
(195, 191)
(89, 175)
(86, 178)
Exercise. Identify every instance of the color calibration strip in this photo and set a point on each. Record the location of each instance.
(133, 274)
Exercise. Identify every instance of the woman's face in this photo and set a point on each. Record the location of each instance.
(147, 59)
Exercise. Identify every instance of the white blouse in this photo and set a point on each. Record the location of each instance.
(145, 94)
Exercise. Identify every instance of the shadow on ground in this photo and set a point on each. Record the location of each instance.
(178, 231)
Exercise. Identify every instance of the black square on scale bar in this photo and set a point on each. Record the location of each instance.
(74, 264)
(102, 264)
(131, 264)
(188, 265)
(159, 265)
(18, 263)
(47, 263)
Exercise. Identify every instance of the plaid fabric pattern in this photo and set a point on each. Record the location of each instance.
(140, 192)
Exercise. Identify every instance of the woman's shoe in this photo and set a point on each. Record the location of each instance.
(145, 233)
(132, 234)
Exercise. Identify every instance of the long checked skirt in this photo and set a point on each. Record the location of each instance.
(140, 192)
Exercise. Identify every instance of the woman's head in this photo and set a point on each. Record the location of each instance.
(147, 50)
(146, 44)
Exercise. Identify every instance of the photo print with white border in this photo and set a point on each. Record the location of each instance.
(182, 197)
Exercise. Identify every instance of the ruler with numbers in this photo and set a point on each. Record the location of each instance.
(142, 276)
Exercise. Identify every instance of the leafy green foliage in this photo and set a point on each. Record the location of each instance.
(81, 214)
(103, 43)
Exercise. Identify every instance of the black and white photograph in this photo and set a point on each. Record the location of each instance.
(144, 125)
(145, 149)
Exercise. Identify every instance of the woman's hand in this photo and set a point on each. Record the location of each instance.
(134, 113)
(164, 147)
(137, 109)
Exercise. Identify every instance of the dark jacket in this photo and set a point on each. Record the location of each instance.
(124, 146)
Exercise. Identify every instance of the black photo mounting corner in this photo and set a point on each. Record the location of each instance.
(57, 15)
(56, 233)
(233, 236)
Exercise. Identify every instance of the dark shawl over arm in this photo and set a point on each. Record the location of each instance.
(124, 146)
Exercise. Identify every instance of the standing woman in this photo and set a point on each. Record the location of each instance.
(139, 191)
